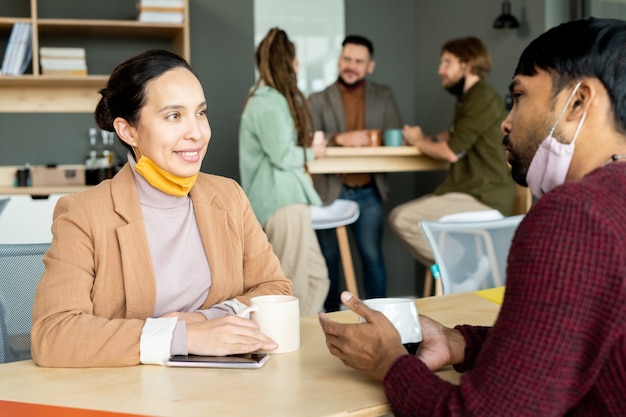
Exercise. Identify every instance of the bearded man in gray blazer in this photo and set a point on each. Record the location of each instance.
(344, 111)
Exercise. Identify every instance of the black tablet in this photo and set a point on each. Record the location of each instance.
(245, 361)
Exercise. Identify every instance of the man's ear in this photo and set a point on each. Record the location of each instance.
(582, 99)
(467, 68)
(371, 66)
(125, 131)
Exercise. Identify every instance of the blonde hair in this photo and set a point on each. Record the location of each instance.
(275, 57)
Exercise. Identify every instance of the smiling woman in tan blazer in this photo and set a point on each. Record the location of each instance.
(158, 260)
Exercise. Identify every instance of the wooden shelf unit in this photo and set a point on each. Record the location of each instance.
(34, 92)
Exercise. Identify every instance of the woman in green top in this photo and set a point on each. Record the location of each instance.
(275, 141)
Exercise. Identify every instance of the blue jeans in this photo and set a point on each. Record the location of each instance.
(368, 234)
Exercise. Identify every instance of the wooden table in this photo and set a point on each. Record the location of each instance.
(340, 160)
(309, 382)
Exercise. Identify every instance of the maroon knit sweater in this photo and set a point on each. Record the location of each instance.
(558, 346)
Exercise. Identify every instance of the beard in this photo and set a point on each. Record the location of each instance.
(518, 169)
(356, 83)
(456, 88)
(521, 155)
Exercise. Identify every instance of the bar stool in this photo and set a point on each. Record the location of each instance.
(338, 215)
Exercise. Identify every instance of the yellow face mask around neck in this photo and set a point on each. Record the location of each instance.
(163, 180)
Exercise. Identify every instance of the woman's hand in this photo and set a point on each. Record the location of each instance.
(319, 144)
(226, 336)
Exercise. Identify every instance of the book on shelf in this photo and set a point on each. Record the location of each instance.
(161, 11)
(61, 52)
(19, 49)
(63, 64)
(10, 50)
(161, 17)
(66, 61)
(175, 4)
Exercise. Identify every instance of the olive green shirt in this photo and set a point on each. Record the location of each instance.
(475, 136)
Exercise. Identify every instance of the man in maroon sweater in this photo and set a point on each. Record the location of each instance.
(558, 346)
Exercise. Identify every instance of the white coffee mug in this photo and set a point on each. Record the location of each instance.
(278, 317)
(402, 313)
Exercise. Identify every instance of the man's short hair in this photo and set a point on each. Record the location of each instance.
(583, 48)
(359, 40)
(470, 50)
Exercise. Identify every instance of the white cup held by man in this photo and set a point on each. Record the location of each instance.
(278, 317)
(402, 313)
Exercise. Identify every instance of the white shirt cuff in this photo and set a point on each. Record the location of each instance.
(235, 304)
(156, 339)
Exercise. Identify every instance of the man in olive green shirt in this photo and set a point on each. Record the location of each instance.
(479, 178)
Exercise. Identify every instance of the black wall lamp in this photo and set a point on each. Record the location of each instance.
(506, 20)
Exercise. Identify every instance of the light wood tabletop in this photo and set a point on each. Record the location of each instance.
(341, 160)
(309, 382)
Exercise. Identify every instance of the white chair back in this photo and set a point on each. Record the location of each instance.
(21, 266)
(470, 255)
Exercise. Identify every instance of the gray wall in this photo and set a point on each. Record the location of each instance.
(407, 35)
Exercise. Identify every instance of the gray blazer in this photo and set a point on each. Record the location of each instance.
(381, 112)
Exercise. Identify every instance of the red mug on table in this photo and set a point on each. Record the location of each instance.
(376, 137)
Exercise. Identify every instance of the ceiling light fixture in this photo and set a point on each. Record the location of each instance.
(506, 20)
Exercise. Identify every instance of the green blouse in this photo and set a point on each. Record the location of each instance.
(271, 165)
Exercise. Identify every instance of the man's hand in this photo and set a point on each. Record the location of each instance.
(353, 138)
(372, 347)
(441, 346)
(412, 134)
(369, 347)
(438, 149)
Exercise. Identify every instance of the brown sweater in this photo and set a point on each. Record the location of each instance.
(354, 112)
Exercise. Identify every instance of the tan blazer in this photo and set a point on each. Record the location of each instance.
(99, 287)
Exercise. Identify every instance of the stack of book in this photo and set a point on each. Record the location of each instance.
(19, 50)
(161, 11)
(62, 61)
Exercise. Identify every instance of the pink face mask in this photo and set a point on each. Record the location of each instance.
(550, 164)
